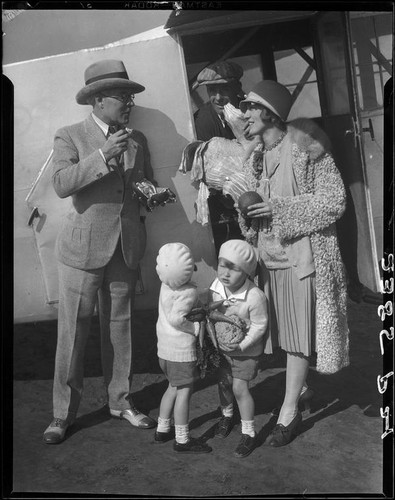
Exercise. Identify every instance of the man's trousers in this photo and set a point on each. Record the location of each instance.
(114, 287)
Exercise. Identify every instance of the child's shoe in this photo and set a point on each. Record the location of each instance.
(192, 446)
(245, 447)
(164, 437)
(223, 427)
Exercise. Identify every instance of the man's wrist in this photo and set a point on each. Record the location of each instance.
(103, 156)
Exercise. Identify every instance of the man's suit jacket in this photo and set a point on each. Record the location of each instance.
(103, 204)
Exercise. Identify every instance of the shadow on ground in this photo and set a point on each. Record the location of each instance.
(338, 449)
(35, 346)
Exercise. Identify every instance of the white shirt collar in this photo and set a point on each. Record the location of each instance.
(239, 294)
(102, 125)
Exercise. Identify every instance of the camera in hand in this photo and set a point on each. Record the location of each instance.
(151, 196)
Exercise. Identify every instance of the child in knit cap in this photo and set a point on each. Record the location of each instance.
(237, 263)
(177, 345)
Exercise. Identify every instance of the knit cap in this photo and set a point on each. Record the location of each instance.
(175, 264)
(240, 253)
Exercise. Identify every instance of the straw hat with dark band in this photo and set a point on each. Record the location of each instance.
(105, 75)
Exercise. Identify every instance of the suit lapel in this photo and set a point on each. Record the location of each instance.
(95, 133)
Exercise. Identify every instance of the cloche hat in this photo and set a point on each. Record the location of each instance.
(240, 253)
(175, 264)
(272, 95)
(220, 72)
(104, 75)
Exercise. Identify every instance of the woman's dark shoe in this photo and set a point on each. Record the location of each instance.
(223, 427)
(245, 447)
(192, 446)
(281, 435)
(304, 402)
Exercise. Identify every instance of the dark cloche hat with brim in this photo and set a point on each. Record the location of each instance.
(105, 75)
(272, 95)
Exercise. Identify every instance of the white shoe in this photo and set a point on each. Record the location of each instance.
(134, 417)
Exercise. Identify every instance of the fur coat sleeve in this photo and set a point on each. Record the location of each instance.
(322, 198)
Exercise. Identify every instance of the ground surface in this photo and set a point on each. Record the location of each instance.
(339, 449)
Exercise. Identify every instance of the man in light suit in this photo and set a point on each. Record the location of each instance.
(100, 243)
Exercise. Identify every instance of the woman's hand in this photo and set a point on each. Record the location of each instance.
(263, 209)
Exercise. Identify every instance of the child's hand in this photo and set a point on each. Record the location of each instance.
(231, 347)
(196, 315)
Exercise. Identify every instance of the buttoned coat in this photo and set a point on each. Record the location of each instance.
(103, 204)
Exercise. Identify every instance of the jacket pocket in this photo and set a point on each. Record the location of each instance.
(74, 242)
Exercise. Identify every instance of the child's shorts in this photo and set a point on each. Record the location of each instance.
(179, 373)
(242, 367)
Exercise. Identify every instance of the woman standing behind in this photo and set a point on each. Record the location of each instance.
(294, 230)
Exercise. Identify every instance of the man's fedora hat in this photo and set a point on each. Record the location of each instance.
(105, 75)
(272, 95)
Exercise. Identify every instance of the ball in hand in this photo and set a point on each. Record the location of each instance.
(247, 199)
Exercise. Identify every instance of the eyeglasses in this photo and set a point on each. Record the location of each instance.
(126, 99)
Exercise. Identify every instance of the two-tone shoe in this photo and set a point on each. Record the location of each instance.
(56, 431)
(134, 417)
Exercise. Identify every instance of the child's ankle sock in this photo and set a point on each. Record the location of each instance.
(248, 427)
(227, 411)
(164, 425)
(182, 433)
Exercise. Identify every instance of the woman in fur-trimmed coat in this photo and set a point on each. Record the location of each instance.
(294, 230)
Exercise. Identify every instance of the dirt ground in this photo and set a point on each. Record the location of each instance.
(339, 449)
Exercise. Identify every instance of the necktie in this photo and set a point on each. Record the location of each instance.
(111, 130)
(119, 159)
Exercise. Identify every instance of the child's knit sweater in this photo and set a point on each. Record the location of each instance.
(176, 335)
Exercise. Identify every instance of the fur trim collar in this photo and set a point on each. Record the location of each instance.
(309, 137)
